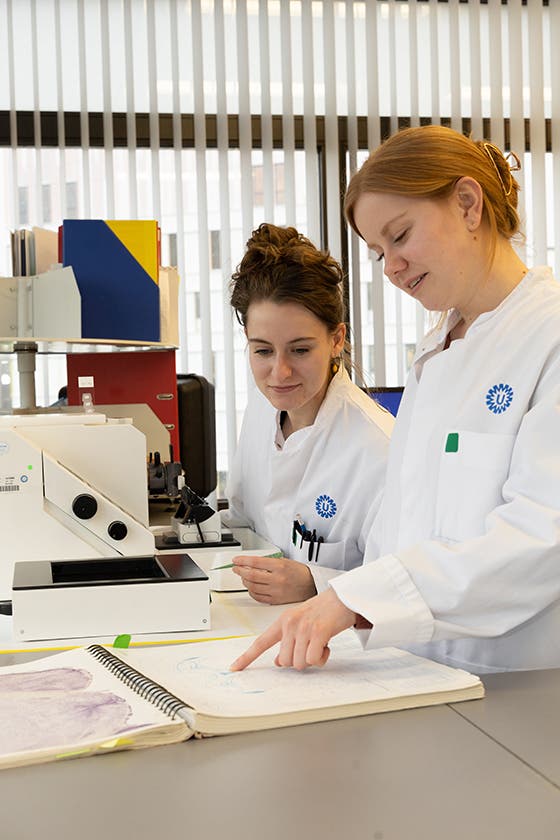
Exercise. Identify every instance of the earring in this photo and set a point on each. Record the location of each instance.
(334, 366)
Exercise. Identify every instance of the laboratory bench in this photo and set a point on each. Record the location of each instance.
(486, 768)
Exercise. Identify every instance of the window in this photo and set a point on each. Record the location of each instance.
(259, 112)
(23, 205)
(72, 200)
(172, 245)
(46, 202)
(258, 186)
(279, 190)
(215, 253)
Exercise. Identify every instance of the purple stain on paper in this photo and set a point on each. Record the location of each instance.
(53, 708)
(56, 679)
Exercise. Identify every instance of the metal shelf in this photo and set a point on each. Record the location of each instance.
(26, 350)
(78, 345)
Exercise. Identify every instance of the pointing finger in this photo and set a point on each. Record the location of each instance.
(265, 641)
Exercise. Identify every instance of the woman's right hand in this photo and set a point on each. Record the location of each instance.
(275, 580)
(303, 632)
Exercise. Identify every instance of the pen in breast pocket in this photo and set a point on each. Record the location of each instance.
(305, 537)
(312, 543)
(302, 528)
(298, 527)
(319, 541)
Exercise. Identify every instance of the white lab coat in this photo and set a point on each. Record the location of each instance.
(329, 474)
(463, 561)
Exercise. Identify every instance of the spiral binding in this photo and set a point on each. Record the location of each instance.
(141, 685)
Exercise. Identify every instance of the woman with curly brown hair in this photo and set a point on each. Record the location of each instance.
(311, 457)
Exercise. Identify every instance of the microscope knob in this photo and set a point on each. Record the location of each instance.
(117, 530)
(84, 506)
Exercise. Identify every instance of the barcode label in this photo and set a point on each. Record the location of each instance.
(8, 488)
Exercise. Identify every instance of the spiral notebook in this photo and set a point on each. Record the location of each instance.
(97, 700)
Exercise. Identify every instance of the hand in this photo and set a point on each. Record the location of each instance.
(275, 580)
(303, 632)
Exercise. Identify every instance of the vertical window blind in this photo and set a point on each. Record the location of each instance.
(215, 115)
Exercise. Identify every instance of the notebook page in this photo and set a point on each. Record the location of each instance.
(199, 674)
(65, 701)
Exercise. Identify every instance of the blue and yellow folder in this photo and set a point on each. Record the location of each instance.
(116, 267)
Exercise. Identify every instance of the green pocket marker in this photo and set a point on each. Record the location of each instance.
(452, 442)
(122, 641)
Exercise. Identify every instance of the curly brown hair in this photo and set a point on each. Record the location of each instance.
(283, 266)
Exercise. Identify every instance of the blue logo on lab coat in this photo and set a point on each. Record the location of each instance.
(325, 506)
(499, 398)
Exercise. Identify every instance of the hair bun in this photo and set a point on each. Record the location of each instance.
(270, 245)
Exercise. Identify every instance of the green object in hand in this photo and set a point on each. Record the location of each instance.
(230, 565)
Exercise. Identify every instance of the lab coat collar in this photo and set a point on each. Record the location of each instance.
(337, 387)
(534, 275)
(435, 339)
